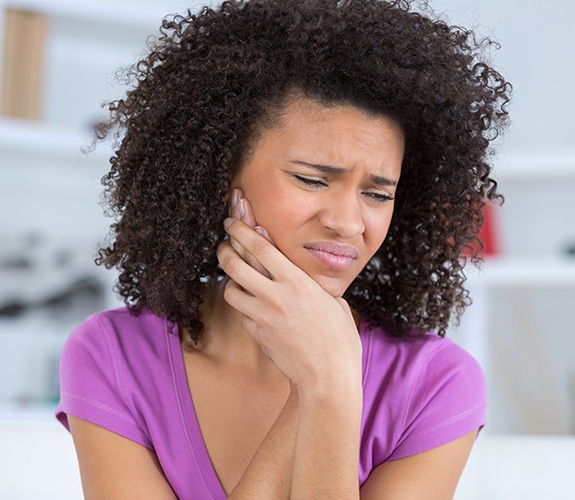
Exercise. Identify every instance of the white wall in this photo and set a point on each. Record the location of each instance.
(47, 186)
(521, 326)
(537, 44)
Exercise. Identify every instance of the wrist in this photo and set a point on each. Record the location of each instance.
(343, 390)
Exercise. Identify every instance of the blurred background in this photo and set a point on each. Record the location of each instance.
(58, 61)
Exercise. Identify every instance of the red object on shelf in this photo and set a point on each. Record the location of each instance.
(487, 234)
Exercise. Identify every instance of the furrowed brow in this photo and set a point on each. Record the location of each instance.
(324, 169)
(382, 181)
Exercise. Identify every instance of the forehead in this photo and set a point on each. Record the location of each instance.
(345, 133)
(297, 107)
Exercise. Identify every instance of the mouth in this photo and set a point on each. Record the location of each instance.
(336, 256)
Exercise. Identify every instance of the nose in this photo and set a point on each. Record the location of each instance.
(342, 215)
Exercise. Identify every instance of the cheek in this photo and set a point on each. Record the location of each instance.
(284, 215)
(272, 206)
(378, 228)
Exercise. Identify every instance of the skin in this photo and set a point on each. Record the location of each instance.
(280, 360)
(301, 206)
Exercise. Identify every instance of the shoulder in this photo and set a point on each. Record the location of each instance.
(115, 345)
(105, 370)
(418, 394)
(419, 362)
(120, 321)
(117, 330)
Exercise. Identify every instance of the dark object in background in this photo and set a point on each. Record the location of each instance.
(85, 289)
(40, 274)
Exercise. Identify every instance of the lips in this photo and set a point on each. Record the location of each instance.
(337, 256)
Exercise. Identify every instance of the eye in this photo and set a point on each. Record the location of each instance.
(380, 197)
(308, 181)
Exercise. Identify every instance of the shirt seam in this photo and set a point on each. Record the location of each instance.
(113, 362)
(367, 333)
(180, 409)
(413, 385)
(101, 406)
(446, 423)
(119, 387)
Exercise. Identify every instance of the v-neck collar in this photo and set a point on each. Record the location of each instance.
(189, 417)
(190, 420)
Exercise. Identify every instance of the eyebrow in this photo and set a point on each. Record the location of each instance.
(329, 169)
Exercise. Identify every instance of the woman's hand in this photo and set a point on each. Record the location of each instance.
(310, 335)
(241, 209)
(312, 338)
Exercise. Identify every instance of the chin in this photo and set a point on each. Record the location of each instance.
(333, 286)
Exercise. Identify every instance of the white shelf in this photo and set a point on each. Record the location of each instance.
(33, 137)
(125, 13)
(505, 272)
(33, 413)
(537, 165)
(36, 137)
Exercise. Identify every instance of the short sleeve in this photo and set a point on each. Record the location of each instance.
(90, 388)
(447, 400)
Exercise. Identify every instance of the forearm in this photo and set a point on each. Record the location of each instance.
(327, 444)
(269, 472)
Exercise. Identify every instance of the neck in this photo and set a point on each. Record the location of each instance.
(224, 339)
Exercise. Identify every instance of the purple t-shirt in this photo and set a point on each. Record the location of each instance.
(126, 373)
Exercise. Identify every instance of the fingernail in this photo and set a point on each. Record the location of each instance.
(263, 232)
(235, 197)
(228, 222)
(242, 208)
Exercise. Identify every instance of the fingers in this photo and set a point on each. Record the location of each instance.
(245, 207)
(261, 230)
(240, 271)
(235, 296)
(236, 210)
(267, 255)
(241, 209)
(245, 210)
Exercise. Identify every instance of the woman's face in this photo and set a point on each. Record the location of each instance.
(322, 182)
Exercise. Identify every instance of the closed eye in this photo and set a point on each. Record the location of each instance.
(318, 184)
(313, 182)
(380, 197)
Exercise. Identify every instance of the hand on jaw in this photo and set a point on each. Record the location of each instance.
(313, 340)
(309, 335)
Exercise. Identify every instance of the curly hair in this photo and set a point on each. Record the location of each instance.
(211, 82)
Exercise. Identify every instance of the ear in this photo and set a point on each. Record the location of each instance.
(228, 195)
(233, 179)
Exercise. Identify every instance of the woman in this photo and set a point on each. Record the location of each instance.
(294, 187)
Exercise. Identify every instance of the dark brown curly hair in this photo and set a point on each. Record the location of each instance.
(212, 81)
